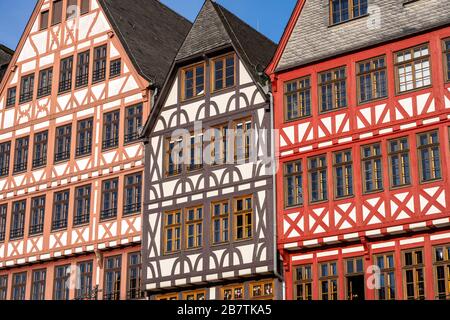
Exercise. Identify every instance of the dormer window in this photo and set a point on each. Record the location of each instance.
(193, 81)
(344, 10)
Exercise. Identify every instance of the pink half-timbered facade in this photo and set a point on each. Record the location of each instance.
(72, 102)
(362, 110)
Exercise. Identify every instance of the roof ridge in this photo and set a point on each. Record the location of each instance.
(6, 49)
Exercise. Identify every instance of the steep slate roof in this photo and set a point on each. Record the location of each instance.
(151, 33)
(5, 57)
(215, 27)
(313, 39)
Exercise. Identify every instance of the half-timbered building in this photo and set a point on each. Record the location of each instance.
(362, 104)
(72, 101)
(208, 229)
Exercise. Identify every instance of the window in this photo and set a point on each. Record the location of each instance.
(429, 156)
(113, 273)
(82, 77)
(63, 143)
(65, 75)
(111, 122)
(167, 297)
(45, 82)
(5, 150)
(318, 178)
(99, 64)
(133, 194)
(57, 12)
(172, 231)
(40, 149)
(194, 295)
(442, 272)
(371, 166)
(343, 174)
(233, 292)
(224, 72)
(18, 219)
(372, 80)
(220, 212)
(38, 284)
(84, 290)
(26, 88)
(303, 282)
(297, 99)
(194, 227)
(110, 191)
(37, 215)
(193, 81)
(261, 290)
(134, 276)
(219, 144)
(60, 210)
(413, 69)
(21, 155)
(354, 279)
(333, 89)
(387, 277)
(243, 139)
(71, 9)
(84, 6)
(82, 205)
(243, 218)
(3, 214)
(115, 68)
(44, 20)
(344, 10)
(11, 97)
(447, 59)
(19, 284)
(195, 152)
(414, 274)
(84, 137)
(133, 122)
(174, 157)
(328, 279)
(399, 162)
(293, 178)
(61, 284)
(3, 287)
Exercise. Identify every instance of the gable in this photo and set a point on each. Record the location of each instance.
(312, 38)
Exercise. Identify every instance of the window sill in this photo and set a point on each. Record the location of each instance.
(362, 103)
(399, 94)
(331, 25)
(332, 110)
(297, 119)
(430, 181)
(367, 193)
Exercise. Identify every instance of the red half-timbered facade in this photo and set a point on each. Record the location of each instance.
(72, 102)
(362, 110)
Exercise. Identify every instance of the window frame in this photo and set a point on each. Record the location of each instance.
(134, 290)
(356, 272)
(384, 272)
(85, 278)
(350, 13)
(297, 173)
(85, 199)
(429, 146)
(411, 61)
(348, 179)
(5, 158)
(195, 294)
(54, 18)
(398, 154)
(100, 63)
(173, 227)
(218, 134)
(3, 221)
(247, 138)
(232, 288)
(59, 282)
(65, 83)
(320, 183)
(11, 99)
(43, 147)
(414, 267)
(62, 222)
(372, 73)
(18, 213)
(43, 26)
(113, 194)
(115, 68)
(334, 92)
(247, 228)
(372, 158)
(66, 139)
(262, 284)
(193, 68)
(37, 215)
(300, 90)
(114, 128)
(444, 263)
(223, 216)
(83, 135)
(446, 60)
(3, 287)
(82, 69)
(117, 281)
(168, 161)
(45, 86)
(223, 59)
(26, 93)
(305, 282)
(22, 285)
(329, 280)
(38, 286)
(197, 222)
(21, 150)
(136, 187)
(136, 117)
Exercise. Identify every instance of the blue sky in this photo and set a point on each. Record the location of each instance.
(268, 16)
